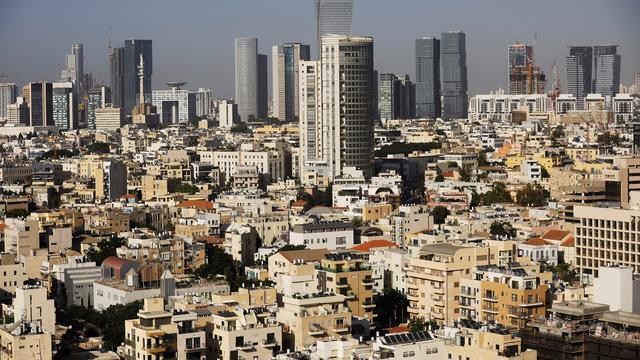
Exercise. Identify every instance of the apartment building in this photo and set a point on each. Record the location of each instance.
(152, 335)
(410, 219)
(346, 273)
(32, 306)
(323, 235)
(243, 333)
(434, 279)
(21, 236)
(308, 318)
(421, 345)
(12, 276)
(25, 341)
(606, 236)
(294, 271)
(509, 296)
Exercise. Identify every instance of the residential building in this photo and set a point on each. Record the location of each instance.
(13, 276)
(346, 273)
(204, 102)
(111, 179)
(323, 235)
(539, 250)
(21, 236)
(434, 279)
(263, 86)
(421, 345)
(78, 283)
(306, 319)
(396, 97)
(285, 82)
(326, 86)
(501, 107)
(97, 98)
(65, 112)
(473, 340)
(617, 287)
(428, 103)
(227, 114)
(152, 334)
(32, 306)
(453, 54)
(18, 112)
(25, 341)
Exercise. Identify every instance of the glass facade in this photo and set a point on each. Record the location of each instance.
(453, 55)
(428, 103)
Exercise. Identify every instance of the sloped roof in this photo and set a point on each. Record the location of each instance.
(570, 242)
(374, 244)
(198, 204)
(306, 255)
(556, 235)
(537, 242)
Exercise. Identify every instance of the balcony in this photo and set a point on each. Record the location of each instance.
(350, 295)
(490, 309)
(156, 349)
(342, 285)
(194, 349)
(367, 281)
(412, 297)
(368, 304)
(247, 345)
(316, 330)
(531, 304)
(268, 343)
(130, 342)
(341, 328)
(489, 297)
(438, 290)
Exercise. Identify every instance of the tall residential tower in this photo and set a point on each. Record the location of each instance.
(246, 66)
(579, 72)
(607, 70)
(285, 60)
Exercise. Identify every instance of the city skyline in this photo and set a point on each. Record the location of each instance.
(211, 66)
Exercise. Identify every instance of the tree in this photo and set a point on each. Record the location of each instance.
(440, 214)
(186, 188)
(497, 195)
(482, 158)
(104, 249)
(357, 222)
(532, 195)
(608, 139)
(466, 172)
(290, 247)
(16, 213)
(439, 178)
(391, 307)
(98, 147)
(557, 135)
(545, 173)
(420, 324)
(502, 229)
(240, 128)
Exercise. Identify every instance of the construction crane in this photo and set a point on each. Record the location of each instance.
(555, 92)
(530, 59)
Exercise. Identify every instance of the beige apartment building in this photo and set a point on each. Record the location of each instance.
(434, 279)
(21, 236)
(12, 276)
(152, 335)
(308, 318)
(347, 274)
(510, 296)
(606, 236)
(24, 342)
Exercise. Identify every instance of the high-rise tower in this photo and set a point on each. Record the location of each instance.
(607, 70)
(336, 108)
(116, 65)
(285, 60)
(428, 103)
(8, 95)
(133, 49)
(579, 72)
(333, 17)
(246, 64)
(453, 55)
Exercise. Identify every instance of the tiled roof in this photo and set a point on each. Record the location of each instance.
(556, 235)
(374, 244)
(198, 204)
(306, 255)
(537, 242)
(570, 242)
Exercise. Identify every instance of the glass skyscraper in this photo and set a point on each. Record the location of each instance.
(132, 51)
(116, 65)
(286, 61)
(428, 78)
(579, 72)
(607, 70)
(333, 17)
(453, 55)
(246, 77)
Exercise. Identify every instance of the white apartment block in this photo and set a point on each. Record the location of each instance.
(499, 107)
(323, 235)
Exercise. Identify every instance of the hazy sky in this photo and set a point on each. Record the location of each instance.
(193, 39)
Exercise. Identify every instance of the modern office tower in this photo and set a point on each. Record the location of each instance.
(246, 64)
(39, 98)
(8, 95)
(336, 110)
(453, 55)
(408, 98)
(263, 86)
(116, 63)
(606, 236)
(227, 113)
(97, 98)
(428, 103)
(204, 100)
(607, 70)
(525, 78)
(579, 70)
(285, 60)
(133, 49)
(18, 112)
(109, 118)
(65, 111)
(74, 68)
(333, 17)
(175, 105)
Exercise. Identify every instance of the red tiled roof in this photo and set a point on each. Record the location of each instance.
(212, 240)
(556, 235)
(374, 244)
(198, 204)
(299, 203)
(537, 242)
(398, 329)
(570, 242)
(2, 227)
(115, 262)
